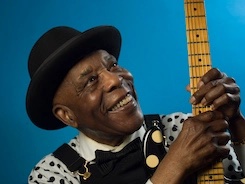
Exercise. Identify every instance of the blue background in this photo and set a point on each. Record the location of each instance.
(154, 50)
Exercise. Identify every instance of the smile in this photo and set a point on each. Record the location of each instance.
(123, 102)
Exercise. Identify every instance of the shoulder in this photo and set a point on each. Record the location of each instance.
(51, 170)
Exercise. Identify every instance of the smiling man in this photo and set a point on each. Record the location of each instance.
(76, 81)
(101, 97)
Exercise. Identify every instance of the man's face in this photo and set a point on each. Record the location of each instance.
(102, 97)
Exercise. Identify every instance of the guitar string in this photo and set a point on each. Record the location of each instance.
(206, 59)
(203, 52)
(204, 44)
(193, 42)
(196, 57)
(192, 57)
(191, 49)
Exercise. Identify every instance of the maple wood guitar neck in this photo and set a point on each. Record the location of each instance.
(199, 63)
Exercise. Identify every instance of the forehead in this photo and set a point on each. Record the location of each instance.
(95, 59)
(99, 56)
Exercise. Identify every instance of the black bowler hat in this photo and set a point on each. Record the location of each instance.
(52, 56)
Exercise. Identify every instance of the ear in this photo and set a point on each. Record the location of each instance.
(65, 115)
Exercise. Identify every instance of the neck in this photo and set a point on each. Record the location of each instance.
(103, 138)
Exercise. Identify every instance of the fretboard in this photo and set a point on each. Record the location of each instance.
(199, 60)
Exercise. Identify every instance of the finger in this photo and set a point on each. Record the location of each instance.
(222, 138)
(226, 99)
(209, 116)
(200, 94)
(188, 88)
(212, 74)
(218, 126)
(231, 109)
(222, 152)
(213, 90)
(213, 94)
(214, 152)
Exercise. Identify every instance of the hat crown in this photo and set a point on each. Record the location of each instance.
(48, 44)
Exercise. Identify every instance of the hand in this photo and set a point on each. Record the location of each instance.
(202, 141)
(220, 92)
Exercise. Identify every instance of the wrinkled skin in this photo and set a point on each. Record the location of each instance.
(204, 137)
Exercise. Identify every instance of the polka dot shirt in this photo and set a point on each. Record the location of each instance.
(51, 170)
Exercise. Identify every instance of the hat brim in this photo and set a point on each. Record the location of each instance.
(51, 73)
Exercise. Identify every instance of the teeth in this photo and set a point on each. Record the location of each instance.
(123, 102)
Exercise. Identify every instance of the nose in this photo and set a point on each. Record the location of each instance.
(110, 80)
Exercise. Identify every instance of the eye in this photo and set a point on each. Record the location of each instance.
(114, 67)
(92, 79)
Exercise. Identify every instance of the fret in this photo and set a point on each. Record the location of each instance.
(194, 41)
(189, 30)
(195, 77)
(212, 181)
(197, 59)
(193, 88)
(215, 171)
(193, 1)
(199, 54)
(197, 42)
(196, 66)
(193, 16)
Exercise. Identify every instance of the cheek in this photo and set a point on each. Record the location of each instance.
(87, 106)
(91, 99)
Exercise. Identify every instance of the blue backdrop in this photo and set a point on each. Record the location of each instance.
(154, 49)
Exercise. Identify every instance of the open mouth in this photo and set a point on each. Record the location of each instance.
(128, 98)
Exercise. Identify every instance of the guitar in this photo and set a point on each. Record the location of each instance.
(199, 63)
(199, 60)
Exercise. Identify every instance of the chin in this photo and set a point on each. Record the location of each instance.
(133, 124)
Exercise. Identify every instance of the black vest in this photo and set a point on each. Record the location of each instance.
(130, 169)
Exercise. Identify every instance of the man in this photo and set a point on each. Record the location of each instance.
(76, 81)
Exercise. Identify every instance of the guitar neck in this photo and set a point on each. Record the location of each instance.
(199, 60)
(197, 41)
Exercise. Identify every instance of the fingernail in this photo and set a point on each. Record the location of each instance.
(204, 102)
(200, 84)
(192, 100)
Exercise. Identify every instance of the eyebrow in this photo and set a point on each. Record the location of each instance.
(85, 72)
(109, 57)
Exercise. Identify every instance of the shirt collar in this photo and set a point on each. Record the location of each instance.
(88, 146)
